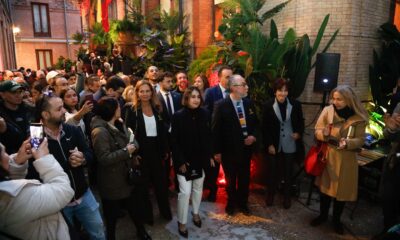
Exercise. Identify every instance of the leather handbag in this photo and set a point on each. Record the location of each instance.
(315, 161)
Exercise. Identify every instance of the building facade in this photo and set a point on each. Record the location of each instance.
(7, 50)
(46, 27)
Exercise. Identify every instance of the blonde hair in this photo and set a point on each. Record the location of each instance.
(125, 94)
(351, 100)
(154, 101)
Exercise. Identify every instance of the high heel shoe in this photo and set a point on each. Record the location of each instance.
(184, 234)
(196, 220)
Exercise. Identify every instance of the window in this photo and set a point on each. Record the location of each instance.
(41, 23)
(44, 58)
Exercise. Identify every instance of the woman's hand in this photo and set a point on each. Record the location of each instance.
(24, 152)
(42, 150)
(87, 107)
(295, 136)
(3, 125)
(131, 148)
(182, 168)
(327, 130)
(342, 144)
(271, 150)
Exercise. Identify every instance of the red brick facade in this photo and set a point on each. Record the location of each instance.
(203, 24)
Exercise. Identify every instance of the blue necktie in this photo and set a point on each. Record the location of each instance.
(242, 119)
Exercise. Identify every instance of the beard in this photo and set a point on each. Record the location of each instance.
(56, 121)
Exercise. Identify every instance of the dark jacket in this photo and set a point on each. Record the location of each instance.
(176, 101)
(135, 118)
(271, 124)
(113, 159)
(191, 138)
(211, 96)
(71, 137)
(227, 132)
(17, 126)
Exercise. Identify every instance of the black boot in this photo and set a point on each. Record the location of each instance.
(325, 203)
(338, 207)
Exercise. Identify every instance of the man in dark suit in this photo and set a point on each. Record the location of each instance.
(212, 95)
(171, 103)
(233, 125)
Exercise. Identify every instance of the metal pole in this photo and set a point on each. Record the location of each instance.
(66, 28)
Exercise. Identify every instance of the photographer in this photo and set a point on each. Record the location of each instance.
(28, 204)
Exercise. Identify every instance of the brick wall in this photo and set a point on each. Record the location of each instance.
(358, 21)
(202, 25)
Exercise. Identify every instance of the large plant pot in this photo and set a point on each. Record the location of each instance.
(128, 43)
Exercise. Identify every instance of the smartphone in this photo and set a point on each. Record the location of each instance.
(89, 97)
(37, 134)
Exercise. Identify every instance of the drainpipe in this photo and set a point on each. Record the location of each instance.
(66, 28)
(180, 16)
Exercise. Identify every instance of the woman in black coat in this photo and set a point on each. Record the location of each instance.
(114, 155)
(283, 127)
(191, 148)
(144, 118)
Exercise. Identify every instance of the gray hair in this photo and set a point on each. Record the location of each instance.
(233, 80)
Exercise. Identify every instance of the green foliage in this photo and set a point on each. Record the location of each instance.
(385, 71)
(125, 25)
(64, 64)
(204, 61)
(298, 59)
(98, 35)
(80, 39)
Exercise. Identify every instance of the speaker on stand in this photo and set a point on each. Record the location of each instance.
(326, 77)
(326, 73)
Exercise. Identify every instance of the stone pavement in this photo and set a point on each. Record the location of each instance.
(265, 222)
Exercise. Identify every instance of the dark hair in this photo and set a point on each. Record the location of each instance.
(164, 75)
(38, 86)
(106, 107)
(43, 104)
(280, 83)
(62, 95)
(115, 83)
(222, 68)
(89, 80)
(203, 78)
(180, 72)
(188, 92)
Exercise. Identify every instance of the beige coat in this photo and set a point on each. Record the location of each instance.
(340, 177)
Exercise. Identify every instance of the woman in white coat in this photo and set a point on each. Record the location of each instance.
(30, 209)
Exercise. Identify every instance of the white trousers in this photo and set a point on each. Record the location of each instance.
(187, 188)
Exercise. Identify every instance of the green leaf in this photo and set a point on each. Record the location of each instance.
(320, 35)
(272, 12)
(290, 36)
(274, 30)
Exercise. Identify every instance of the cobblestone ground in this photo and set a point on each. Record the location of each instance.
(273, 222)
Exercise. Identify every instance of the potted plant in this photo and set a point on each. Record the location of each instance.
(100, 40)
(126, 33)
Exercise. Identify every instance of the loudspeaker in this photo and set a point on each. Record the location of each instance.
(326, 71)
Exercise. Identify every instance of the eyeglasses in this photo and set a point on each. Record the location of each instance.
(240, 85)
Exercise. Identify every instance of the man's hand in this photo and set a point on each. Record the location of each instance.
(217, 157)
(393, 122)
(182, 168)
(212, 162)
(76, 158)
(295, 136)
(3, 125)
(271, 150)
(249, 140)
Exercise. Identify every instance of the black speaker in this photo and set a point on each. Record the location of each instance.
(326, 71)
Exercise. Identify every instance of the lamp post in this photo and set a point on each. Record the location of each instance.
(16, 31)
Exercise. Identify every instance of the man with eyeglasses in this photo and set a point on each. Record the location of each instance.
(233, 127)
(16, 114)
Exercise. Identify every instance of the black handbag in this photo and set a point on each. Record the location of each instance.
(134, 176)
(192, 173)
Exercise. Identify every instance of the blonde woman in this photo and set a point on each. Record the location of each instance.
(341, 124)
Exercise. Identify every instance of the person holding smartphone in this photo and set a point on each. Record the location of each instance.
(30, 209)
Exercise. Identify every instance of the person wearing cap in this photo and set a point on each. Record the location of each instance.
(15, 113)
(8, 75)
(50, 77)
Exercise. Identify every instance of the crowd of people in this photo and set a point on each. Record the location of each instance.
(101, 130)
